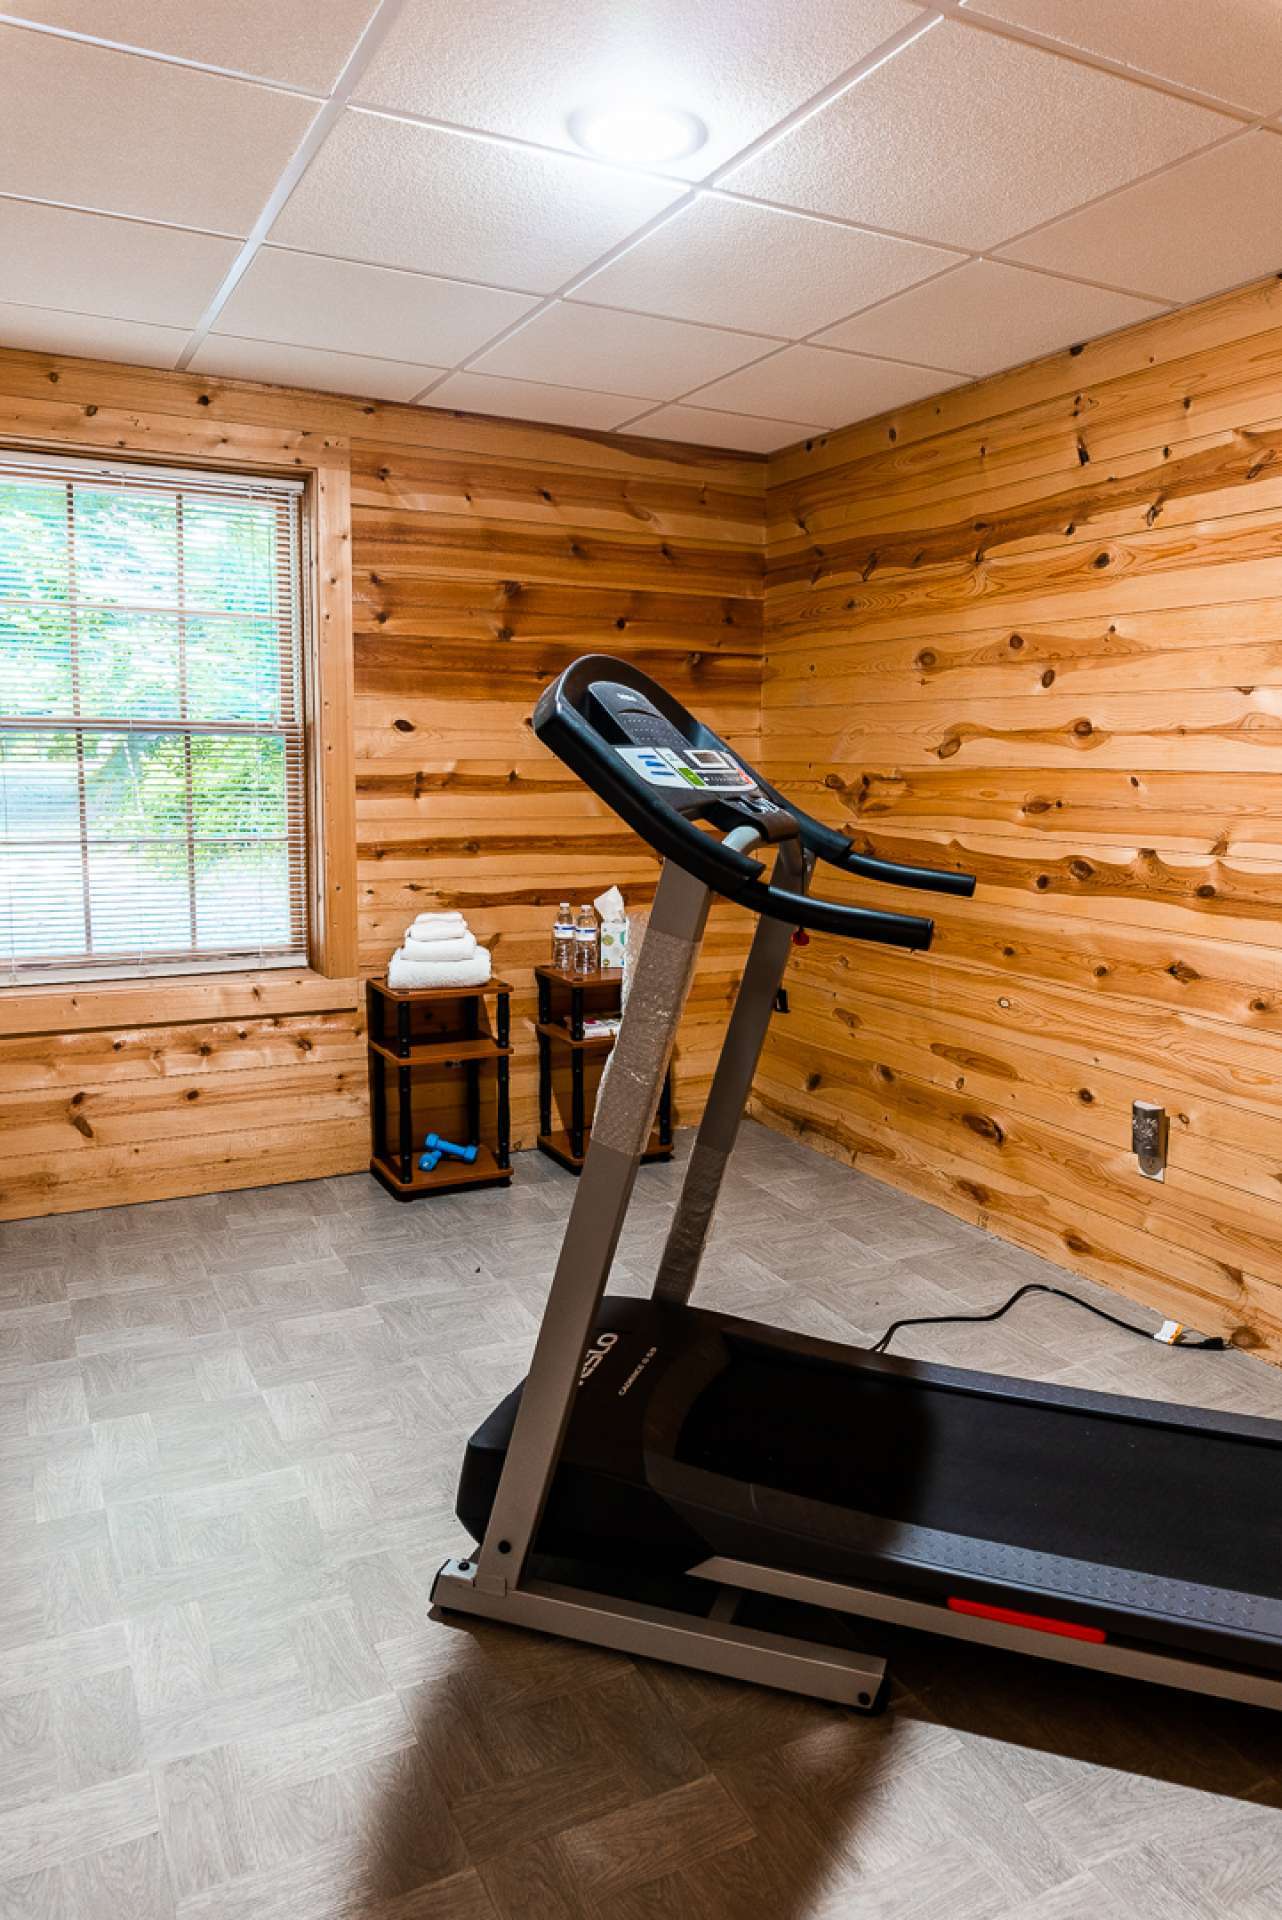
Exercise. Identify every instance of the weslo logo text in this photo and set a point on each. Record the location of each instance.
(596, 1354)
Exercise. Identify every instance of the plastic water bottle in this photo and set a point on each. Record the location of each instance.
(587, 942)
(563, 943)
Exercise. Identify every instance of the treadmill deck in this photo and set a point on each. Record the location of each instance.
(696, 1434)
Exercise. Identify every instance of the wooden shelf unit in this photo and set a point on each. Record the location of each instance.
(440, 1028)
(484, 1171)
(566, 1000)
(557, 1146)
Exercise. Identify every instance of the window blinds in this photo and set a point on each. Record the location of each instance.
(152, 775)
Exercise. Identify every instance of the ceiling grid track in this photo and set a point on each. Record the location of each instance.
(889, 348)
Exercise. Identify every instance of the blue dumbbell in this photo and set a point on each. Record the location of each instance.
(434, 1144)
(428, 1161)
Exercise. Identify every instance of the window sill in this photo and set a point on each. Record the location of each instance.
(172, 1000)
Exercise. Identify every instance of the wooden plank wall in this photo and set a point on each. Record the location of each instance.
(1033, 629)
(485, 556)
(249, 1085)
(480, 574)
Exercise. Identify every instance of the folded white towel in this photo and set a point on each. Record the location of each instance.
(427, 934)
(472, 972)
(428, 923)
(461, 947)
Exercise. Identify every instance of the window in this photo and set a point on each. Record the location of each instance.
(152, 766)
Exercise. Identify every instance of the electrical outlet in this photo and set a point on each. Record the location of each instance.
(1150, 1132)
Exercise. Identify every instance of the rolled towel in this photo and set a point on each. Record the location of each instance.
(430, 923)
(472, 972)
(461, 948)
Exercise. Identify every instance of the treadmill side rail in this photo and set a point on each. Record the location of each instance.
(1107, 1656)
(711, 1643)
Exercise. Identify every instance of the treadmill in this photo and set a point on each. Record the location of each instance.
(667, 1478)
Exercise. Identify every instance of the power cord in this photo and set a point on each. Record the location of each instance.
(1169, 1334)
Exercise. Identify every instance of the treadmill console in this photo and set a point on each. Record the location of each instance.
(669, 776)
(693, 778)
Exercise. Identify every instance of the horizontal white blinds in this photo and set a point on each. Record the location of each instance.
(152, 776)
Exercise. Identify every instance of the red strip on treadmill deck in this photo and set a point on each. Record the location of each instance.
(1036, 1622)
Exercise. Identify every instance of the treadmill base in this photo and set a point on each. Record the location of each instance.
(712, 1642)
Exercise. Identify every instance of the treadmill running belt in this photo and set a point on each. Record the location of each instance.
(1168, 1501)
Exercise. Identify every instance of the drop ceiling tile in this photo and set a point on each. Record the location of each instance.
(523, 400)
(701, 426)
(337, 304)
(44, 330)
(620, 352)
(816, 383)
(1206, 225)
(122, 134)
(402, 195)
(296, 41)
(732, 265)
(985, 316)
(740, 69)
(1229, 48)
(967, 138)
(87, 263)
(353, 373)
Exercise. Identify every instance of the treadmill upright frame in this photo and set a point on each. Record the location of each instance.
(497, 1582)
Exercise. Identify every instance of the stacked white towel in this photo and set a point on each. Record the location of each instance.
(429, 924)
(439, 950)
(443, 949)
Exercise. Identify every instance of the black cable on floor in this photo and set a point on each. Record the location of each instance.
(1200, 1344)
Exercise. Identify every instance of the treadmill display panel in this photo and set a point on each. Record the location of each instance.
(699, 767)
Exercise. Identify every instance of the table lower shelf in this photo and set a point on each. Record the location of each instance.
(446, 1176)
(557, 1147)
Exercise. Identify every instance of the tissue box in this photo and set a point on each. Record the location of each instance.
(614, 938)
(613, 917)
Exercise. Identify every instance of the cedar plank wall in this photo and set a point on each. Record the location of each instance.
(1034, 629)
(477, 578)
(486, 555)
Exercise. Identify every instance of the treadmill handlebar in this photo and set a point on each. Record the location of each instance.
(834, 848)
(925, 879)
(909, 930)
(561, 723)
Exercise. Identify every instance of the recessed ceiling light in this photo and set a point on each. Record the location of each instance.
(640, 133)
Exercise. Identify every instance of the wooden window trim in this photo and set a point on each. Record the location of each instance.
(330, 983)
(328, 705)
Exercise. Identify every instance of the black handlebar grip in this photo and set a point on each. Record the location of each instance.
(836, 850)
(911, 930)
(925, 879)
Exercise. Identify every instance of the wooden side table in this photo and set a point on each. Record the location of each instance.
(566, 1001)
(418, 1038)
